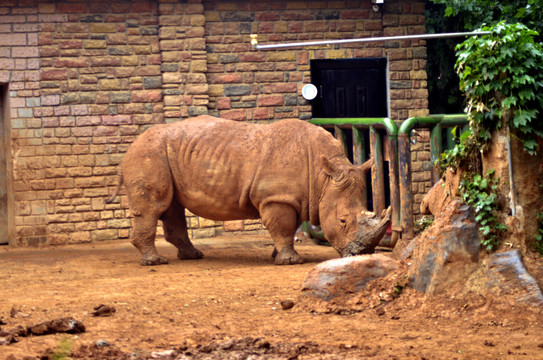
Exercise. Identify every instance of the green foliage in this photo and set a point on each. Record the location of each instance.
(464, 155)
(480, 193)
(424, 223)
(476, 13)
(460, 15)
(539, 236)
(502, 74)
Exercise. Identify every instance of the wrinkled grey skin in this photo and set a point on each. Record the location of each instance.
(285, 173)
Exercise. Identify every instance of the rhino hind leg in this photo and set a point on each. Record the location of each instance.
(143, 238)
(280, 220)
(149, 195)
(176, 233)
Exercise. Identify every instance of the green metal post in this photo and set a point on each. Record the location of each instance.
(436, 148)
(406, 195)
(359, 147)
(377, 172)
(340, 135)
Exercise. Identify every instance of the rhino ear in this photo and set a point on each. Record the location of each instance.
(365, 167)
(331, 169)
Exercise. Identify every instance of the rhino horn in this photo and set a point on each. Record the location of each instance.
(371, 231)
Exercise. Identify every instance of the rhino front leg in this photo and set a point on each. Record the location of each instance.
(280, 220)
(175, 231)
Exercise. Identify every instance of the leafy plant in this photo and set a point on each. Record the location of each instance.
(466, 153)
(480, 193)
(539, 237)
(424, 223)
(501, 75)
(475, 13)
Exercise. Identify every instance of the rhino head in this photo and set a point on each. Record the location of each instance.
(347, 224)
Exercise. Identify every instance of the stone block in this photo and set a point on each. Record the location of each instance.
(105, 234)
(94, 44)
(342, 276)
(103, 28)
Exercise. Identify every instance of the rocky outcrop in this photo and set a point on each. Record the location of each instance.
(447, 253)
(506, 274)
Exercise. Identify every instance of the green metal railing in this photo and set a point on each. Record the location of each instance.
(435, 124)
(397, 147)
(378, 143)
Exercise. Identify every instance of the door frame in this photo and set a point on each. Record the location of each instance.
(357, 63)
(7, 166)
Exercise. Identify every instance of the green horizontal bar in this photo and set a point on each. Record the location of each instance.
(446, 120)
(387, 123)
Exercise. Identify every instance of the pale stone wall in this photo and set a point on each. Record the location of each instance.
(85, 77)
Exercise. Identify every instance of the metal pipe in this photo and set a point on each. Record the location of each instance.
(406, 195)
(382, 123)
(377, 172)
(256, 46)
(425, 121)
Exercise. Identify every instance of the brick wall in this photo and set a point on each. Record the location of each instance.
(85, 77)
(265, 85)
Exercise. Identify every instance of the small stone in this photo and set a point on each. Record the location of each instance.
(163, 353)
(287, 304)
(103, 310)
(102, 343)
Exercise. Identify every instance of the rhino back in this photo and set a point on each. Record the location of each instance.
(225, 170)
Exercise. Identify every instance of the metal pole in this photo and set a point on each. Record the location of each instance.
(256, 46)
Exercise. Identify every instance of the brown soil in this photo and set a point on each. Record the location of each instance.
(228, 306)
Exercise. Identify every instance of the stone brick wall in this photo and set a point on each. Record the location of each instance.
(265, 85)
(85, 77)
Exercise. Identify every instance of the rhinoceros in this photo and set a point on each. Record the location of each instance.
(285, 173)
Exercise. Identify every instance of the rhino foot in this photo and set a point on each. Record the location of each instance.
(288, 256)
(191, 254)
(151, 260)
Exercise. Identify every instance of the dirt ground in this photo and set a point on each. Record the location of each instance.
(229, 305)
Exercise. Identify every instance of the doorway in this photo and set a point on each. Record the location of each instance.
(353, 88)
(6, 195)
(350, 88)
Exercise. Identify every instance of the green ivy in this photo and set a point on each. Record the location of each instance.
(423, 223)
(464, 155)
(480, 193)
(501, 75)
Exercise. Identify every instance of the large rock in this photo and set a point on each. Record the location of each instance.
(337, 277)
(506, 275)
(447, 253)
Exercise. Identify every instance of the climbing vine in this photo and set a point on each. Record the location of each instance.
(501, 75)
(480, 193)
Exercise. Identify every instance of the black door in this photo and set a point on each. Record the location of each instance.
(349, 88)
(352, 88)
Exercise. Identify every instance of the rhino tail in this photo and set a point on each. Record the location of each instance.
(110, 199)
